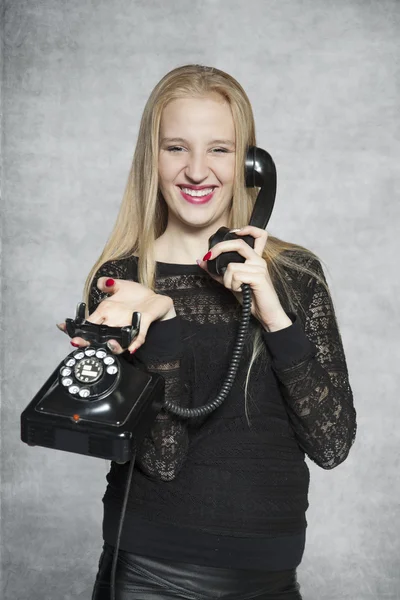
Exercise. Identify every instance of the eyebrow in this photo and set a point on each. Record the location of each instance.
(183, 141)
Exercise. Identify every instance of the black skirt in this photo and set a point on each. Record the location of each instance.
(148, 578)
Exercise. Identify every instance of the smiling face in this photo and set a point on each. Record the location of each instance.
(197, 150)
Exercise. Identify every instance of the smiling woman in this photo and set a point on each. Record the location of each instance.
(217, 507)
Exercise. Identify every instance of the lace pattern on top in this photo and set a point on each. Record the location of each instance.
(317, 391)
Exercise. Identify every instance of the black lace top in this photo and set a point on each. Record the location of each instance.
(220, 491)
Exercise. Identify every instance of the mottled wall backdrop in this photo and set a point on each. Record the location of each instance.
(323, 79)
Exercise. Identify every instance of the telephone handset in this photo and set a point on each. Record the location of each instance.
(260, 172)
(98, 404)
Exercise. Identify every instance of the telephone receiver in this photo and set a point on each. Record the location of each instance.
(260, 172)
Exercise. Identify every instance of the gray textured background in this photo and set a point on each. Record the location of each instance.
(323, 79)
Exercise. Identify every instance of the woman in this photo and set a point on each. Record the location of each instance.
(217, 506)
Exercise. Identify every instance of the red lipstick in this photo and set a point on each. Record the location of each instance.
(199, 199)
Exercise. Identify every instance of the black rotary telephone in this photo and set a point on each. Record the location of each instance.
(97, 404)
(94, 403)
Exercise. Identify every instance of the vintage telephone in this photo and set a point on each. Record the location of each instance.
(97, 404)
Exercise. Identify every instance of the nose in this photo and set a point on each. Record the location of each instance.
(197, 168)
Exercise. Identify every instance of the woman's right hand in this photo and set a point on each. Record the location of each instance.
(127, 297)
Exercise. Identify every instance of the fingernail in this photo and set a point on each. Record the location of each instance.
(76, 345)
(234, 230)
(110, 282)
(133, 351)
(59, 327)
(110, 346)
(207, 256)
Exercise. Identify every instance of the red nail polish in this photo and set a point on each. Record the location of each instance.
(76, 345)
(207, 256)
(133, 351)
(110, 282)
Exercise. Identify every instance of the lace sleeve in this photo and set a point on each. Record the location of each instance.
(164, 449)
(316, 386)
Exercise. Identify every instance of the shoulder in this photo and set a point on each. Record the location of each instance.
(298, 276)
(301, 267)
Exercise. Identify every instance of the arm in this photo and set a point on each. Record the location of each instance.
(310, 365)
(164, 449)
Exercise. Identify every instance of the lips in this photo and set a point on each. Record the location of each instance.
(197, 199)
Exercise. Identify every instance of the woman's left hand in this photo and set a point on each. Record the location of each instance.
(266, 306)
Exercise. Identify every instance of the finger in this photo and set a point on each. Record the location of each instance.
(228, 278)
(107, 284)
(235, 271)
(239, 246)
(260, 237)
(79, 342)
(203, 265)
(62, 327)
(256, 281)
(115, 347)
(139, 340)
(238, 279)
(96, 317)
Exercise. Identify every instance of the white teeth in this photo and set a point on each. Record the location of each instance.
(198, 193)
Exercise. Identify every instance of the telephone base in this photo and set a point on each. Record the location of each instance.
(110, 426)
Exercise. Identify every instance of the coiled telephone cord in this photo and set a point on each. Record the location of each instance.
(202, 411)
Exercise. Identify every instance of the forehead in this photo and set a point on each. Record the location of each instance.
(197, 116)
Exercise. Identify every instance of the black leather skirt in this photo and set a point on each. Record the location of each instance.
(148, 578)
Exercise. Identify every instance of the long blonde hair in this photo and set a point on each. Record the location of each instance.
(143, 214)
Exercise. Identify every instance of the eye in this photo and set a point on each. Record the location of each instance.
(178, 148)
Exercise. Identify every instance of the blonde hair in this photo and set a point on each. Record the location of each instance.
(143, 214)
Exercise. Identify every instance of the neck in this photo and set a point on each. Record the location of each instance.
(183, 247)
